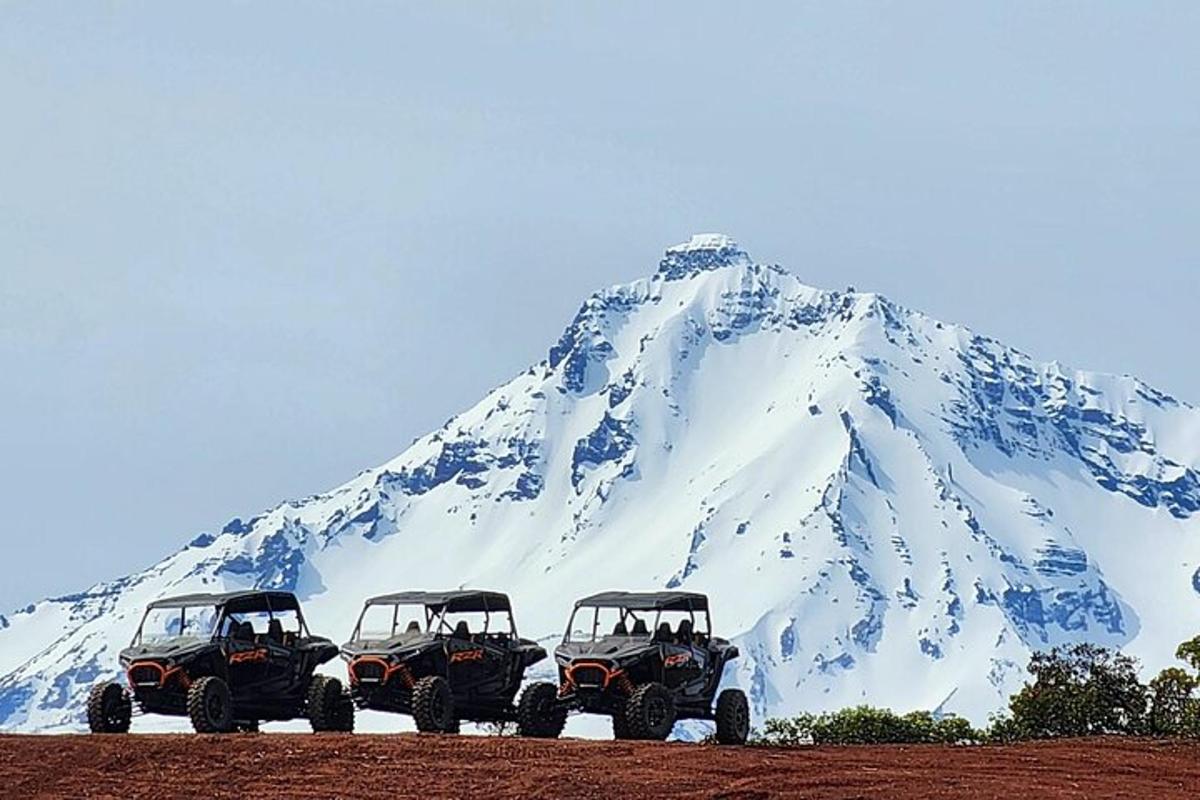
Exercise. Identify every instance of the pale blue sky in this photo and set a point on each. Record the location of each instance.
(249, 249)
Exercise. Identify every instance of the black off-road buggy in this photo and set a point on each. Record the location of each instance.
(227, 661)
(442, 657)
(621, 657)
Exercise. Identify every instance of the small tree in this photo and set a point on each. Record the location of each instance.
(1174, 707)
(1189, 653)
(1082, 690)
(1174, 710)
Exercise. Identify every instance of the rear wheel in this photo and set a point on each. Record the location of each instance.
(733, 717)
(329, 705)
(650, 712)
(538, 713)
(109, 709)
(210, 705)
(433, 706)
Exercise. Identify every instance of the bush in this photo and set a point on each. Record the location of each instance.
(1003, 729)
(787, 732)
(867, 725)
(1082, 690)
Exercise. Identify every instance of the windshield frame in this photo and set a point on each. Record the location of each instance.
(436, 623)
(357, 635)
(218, 613)
(219, 618)
(629, 615)
(444, 628)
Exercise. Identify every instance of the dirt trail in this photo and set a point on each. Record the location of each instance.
(412, 766)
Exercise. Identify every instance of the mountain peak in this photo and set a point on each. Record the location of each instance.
(705, 241)
(702, 252)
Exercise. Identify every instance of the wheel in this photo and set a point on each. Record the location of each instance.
(733, 717)
(620, 726)
(650, 712)
(330, 707)
(538, 713)
(433, 706)
(343, 718)
(210, 705)
(109, 708)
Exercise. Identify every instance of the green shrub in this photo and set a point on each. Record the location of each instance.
(1003, 729)
(866, 725)
(1081, 690)
(786, 732)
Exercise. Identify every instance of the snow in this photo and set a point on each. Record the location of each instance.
(705, 241)
(949, 506)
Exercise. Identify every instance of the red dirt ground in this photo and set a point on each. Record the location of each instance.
(420, 766)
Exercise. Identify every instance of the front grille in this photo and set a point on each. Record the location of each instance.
(368, 672)
(145, 675)
(589, 677)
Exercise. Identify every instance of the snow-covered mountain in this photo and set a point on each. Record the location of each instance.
(884, 508)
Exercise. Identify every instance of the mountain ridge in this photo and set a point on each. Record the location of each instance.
(905, 496)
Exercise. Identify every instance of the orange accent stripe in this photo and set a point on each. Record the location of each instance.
(184, 680)
(136, 664)
(164, 674)
(609, 674)
(405, 676)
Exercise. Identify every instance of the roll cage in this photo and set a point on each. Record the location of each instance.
(226, 608)
(437, 607)
(634, 612)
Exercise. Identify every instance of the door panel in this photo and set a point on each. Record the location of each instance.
(471, 663)
(679, 665)
(248, 663)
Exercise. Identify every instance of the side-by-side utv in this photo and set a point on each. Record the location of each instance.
(227, 661)
(440, 656)
(622, 657)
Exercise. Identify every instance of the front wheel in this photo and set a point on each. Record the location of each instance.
(539, 714)
(733, 717)
(109, 709)
(433, 706)
(650, 712)
(210, 705)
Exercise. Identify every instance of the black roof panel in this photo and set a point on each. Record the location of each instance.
(648, 601)
(244, 600)
(453, 600)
